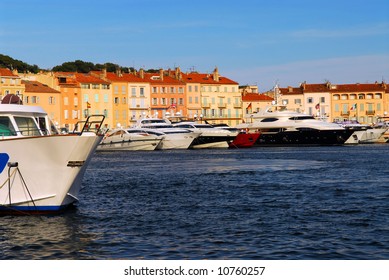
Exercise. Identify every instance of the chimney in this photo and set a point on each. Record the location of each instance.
(178, 73)
(216, 75)
(141, 73)
(161, 74)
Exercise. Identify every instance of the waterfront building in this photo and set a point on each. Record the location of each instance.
(129, 96)
(219, 96)
(49, 99)
(168, 93)
(254, 102)
(366, 103)
(10, 83)
(362, 102)
(95, 99)
(193, 96)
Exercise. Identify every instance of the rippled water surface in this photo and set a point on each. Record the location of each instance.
(259, 203)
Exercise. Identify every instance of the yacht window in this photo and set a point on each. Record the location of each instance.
(184, 126)
(306, 129)
(269, 120)
(27, 126)
(302, 118)
(6, 127)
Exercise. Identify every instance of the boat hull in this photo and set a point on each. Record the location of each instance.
(302, 137)
(176, 141)
(141, 144)
(367, 136)
(44, 174)
(244, 140)
(207, 142)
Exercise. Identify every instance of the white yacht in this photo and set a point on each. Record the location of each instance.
(41, 170)
(363, 133)
(174, 138)
(130, 139)
(211, 137)
(279, 126)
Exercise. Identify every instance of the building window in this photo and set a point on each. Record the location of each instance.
(133, 92)
(95, 86)
(309, 100)
(116, 100)
(190, 88)
(155, 101)
(142, 92)
(322, 99)
(154, 90)
(297, 101)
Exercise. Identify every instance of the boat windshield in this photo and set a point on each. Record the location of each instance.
(6, 127)
(27, 126)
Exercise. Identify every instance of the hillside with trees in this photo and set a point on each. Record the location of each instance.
(71, 66)
(11, 63)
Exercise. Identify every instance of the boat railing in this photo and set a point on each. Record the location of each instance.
(92, 124)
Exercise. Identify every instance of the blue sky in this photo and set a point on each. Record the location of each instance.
(250, 41)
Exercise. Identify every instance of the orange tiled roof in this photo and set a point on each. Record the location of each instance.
(155, 78)
(359, 87)
(255, 97)
(331, 88)
(125, 77)
(5, 72)
(89, 79)
(195, 77)
(34, 86)
(291, 90)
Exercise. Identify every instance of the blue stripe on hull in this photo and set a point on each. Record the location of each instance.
(28, 210)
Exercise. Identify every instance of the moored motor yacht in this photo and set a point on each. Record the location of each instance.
(363, 133)
(211, 137)
(41, 170)
(130, 139)
(279, 126)
(174, 138)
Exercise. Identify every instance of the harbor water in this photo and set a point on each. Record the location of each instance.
(274, 203)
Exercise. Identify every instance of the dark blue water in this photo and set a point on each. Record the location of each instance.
(260, 203)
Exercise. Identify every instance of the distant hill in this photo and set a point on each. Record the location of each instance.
(71, 66)
(10, 63)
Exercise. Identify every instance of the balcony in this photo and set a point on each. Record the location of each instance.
(370, 112)
(345, 113)
(237, 105)
(222, 105)
(137, 107)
